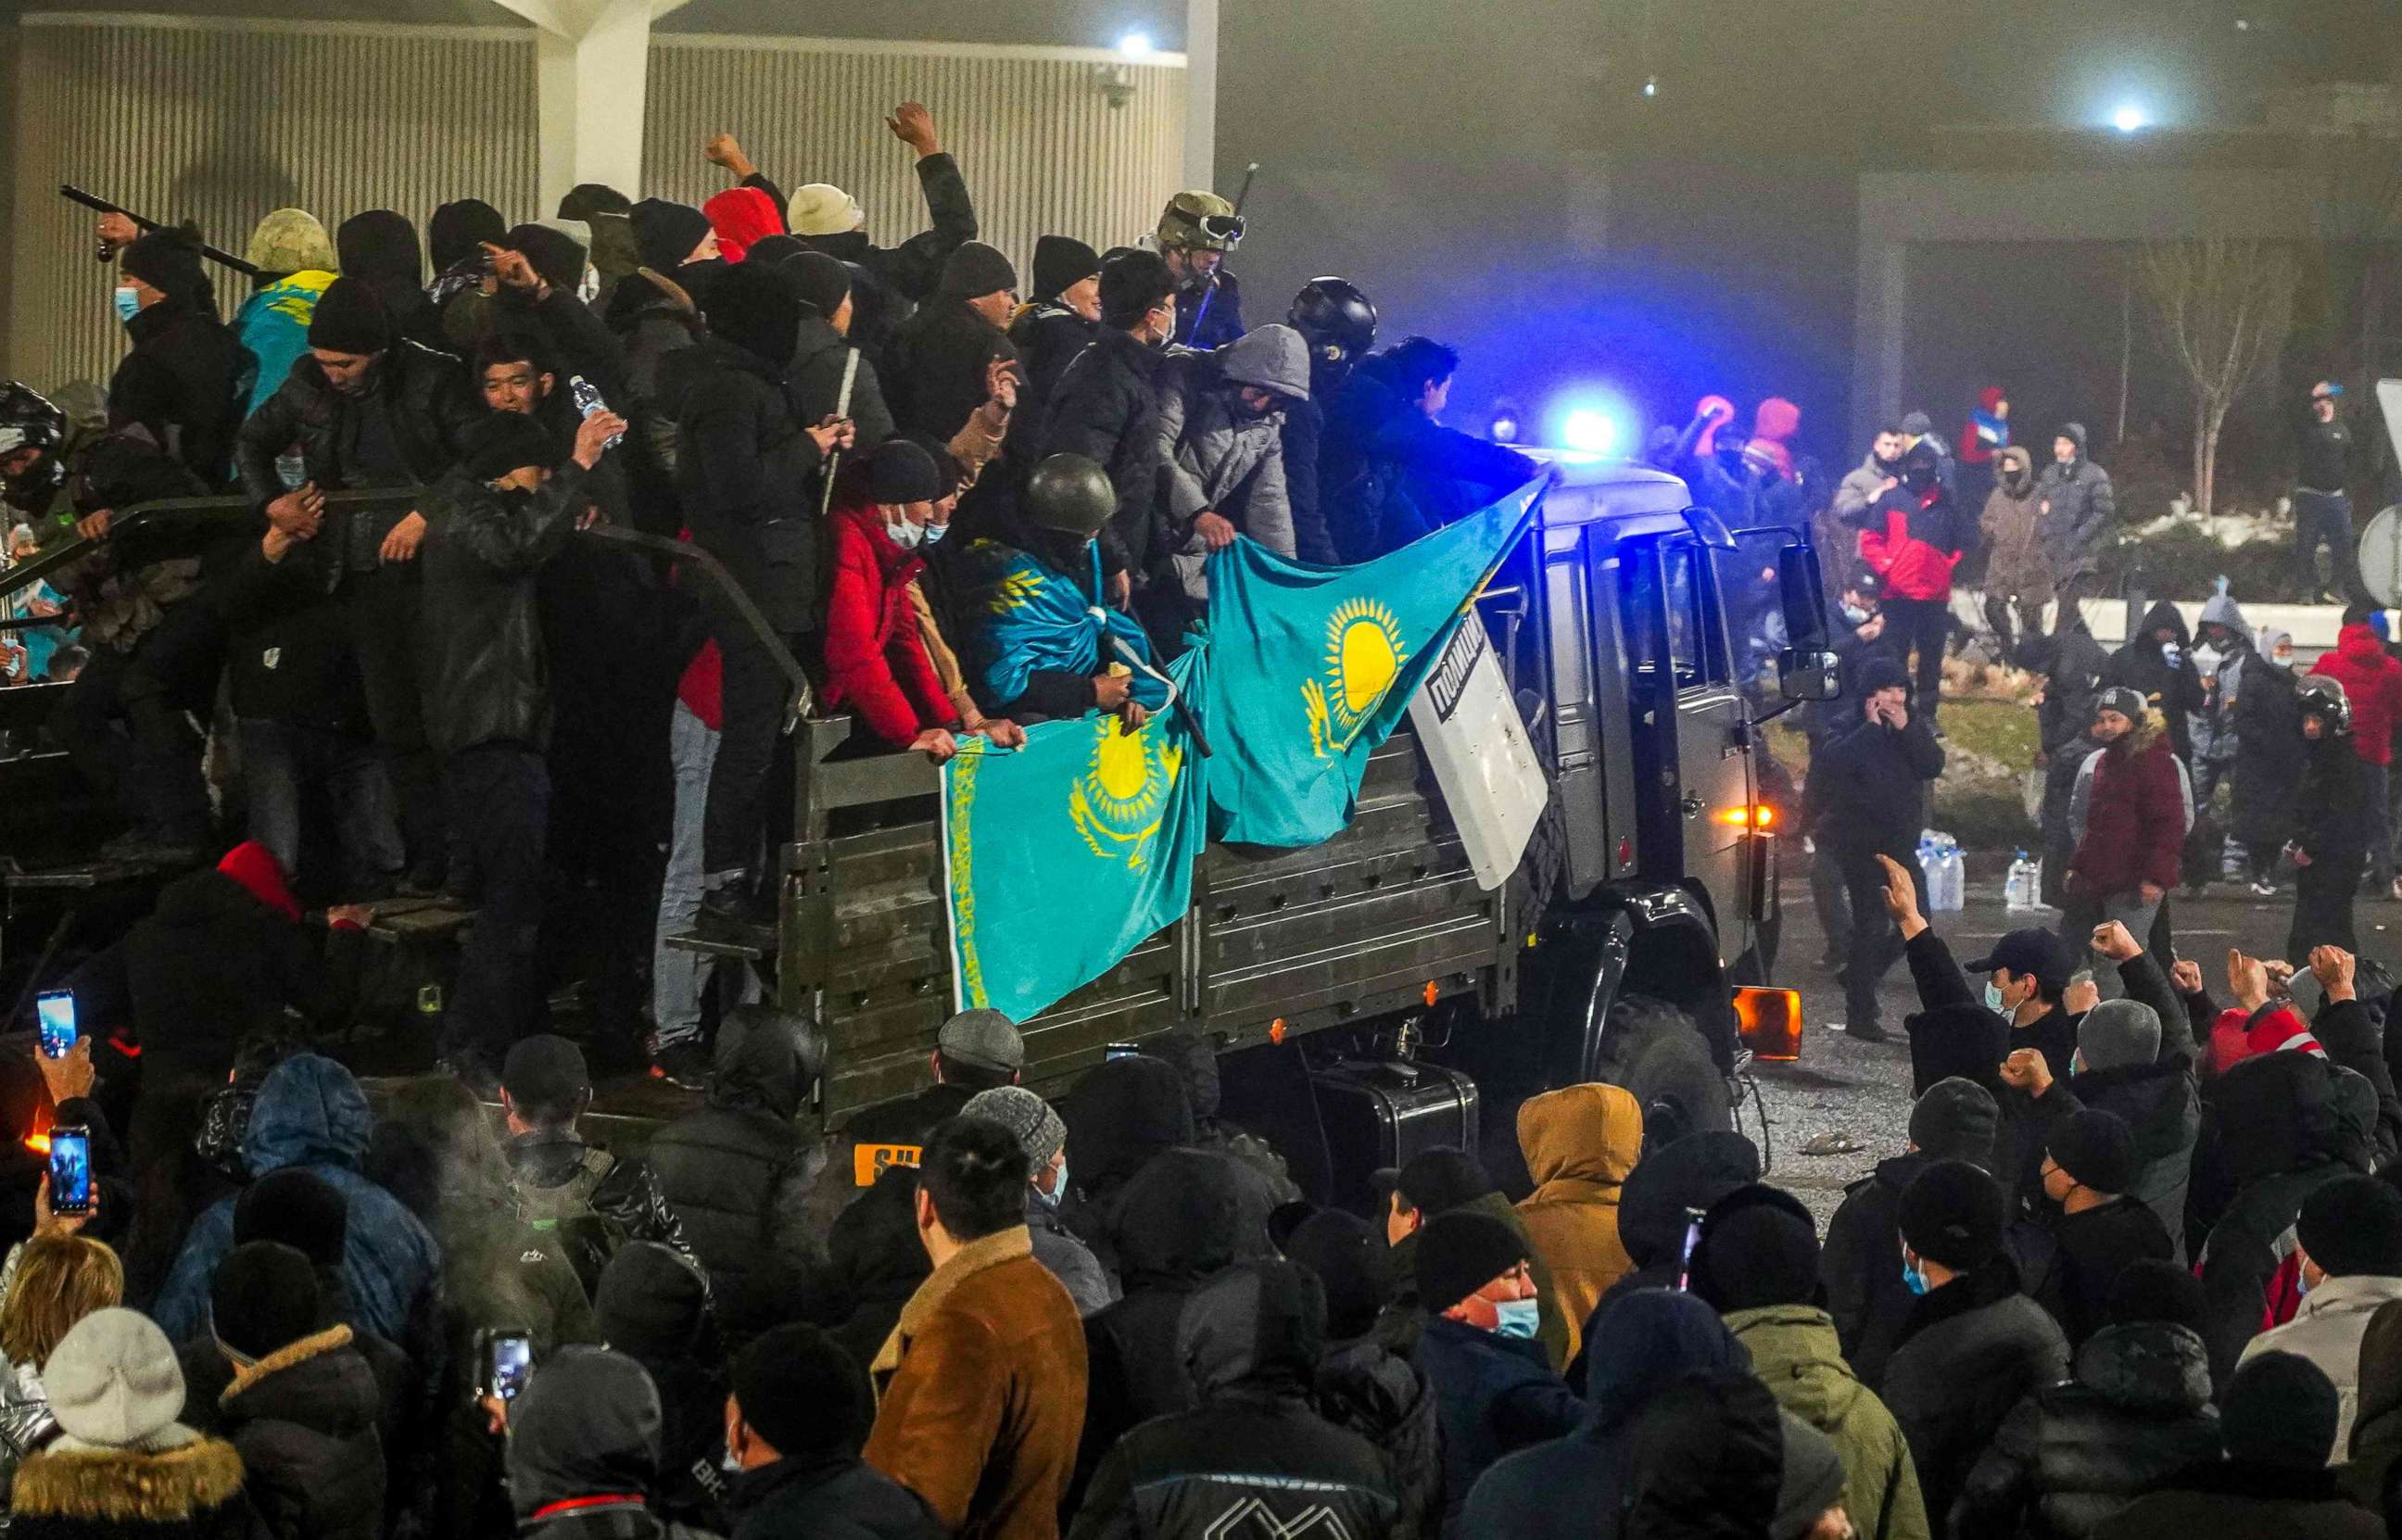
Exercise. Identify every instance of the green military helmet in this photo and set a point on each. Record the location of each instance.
(1070, 494)
(1199, 220)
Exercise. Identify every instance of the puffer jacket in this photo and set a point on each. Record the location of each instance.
(2373, 682)
(426, 396)
(26, 1425)
(2160, 1102)
(2326, 1328)
(182, 355)
(1914, 541)
(2275, 1125)
(2078, 507)
(1388, 473)
(1794, 1353)
(2071, 1455)
(303, 1418)
(1048, 336)
(2330, 806)
(179, 1486)
(819, 358)
(1579, 1142)
(1105, 406)
(2135, 810)
(1383, 1397)
(1215, 457)
(2016, 566)
(737, 1175)
(2270, 749)
(1254, 1454)
(480, 647)
(626, 1197)
(876, 664)
(1969, 1351)
(310, 1113)
(654, 316)
(1861, 1268)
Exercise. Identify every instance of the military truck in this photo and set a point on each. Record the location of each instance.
(1651, 877)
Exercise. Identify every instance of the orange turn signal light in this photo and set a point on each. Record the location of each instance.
(1757, 816)
(1771, 1023)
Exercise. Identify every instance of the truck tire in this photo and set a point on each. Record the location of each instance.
(1667, 1067)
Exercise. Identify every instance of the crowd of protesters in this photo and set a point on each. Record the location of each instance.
(957, 503)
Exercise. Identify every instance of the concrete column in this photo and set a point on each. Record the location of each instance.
(592, 66)
(1201, 94)
(1881, 308)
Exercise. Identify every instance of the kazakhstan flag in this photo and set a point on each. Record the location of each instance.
(1311, 668)
(1069, 853)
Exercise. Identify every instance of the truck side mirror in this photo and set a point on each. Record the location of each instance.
(1809, 673)
(1801, 595)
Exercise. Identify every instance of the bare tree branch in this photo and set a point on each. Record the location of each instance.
(2224, 309)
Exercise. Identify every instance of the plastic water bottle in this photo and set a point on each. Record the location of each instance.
(2018, 888)
(588, 401)
(1931, 865)
(1953, 895)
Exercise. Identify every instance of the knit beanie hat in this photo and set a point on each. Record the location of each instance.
(350, 318)
(900, 472)
(756, 309)
(253, 867)
(776, 250)
(2129, 704)
(2352, 1227)
(1952, 1215)
(822, 282)
(2156, 1290)
(264, 1297)
(297, 1207)
(1060, 260)
(113, 1381)
(1353, 1264)
(587, 199)
(1809, 1483)
(2279, 1410)
(2097, 1149)
(1133, 282)
(948, 474)
(556, 255)
(501, 443)
(665, 233)
(975, 269)
(2118, 1033)
(1956, 1119)
(167, 260)
(1917, 424)
(1759, 1247)
(379, 243)
(650, 1303)
(1459, 1254)
(458, 231)
(801, 1392)
(1438, 1181)
(290, 240)
(821, 208)
(1028, 1118)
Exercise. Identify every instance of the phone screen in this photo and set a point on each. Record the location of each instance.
(70, 1169)
(1692, 1238)
(55, 1009)
(1121, 1050)
(512, 1361)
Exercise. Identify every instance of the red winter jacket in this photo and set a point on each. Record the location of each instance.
(876, 660)
(2134, 818)
(1912, 568)
(2372, 681)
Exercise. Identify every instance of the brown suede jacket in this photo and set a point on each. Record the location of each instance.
(981, 1392)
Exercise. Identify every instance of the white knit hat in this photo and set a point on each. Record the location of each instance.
(821, 208)
(113, 1381)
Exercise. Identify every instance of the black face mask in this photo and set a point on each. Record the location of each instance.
(1919, 478)
(36, 487)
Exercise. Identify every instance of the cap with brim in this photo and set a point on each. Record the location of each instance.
(2030, 951)
(984, 1039)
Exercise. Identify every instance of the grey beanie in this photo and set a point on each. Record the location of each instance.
(1812, 1479)
(1956, 1119)
(113, 1381)
(2117, 1033)
(1031, 1121)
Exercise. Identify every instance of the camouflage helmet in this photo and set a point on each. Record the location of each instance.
(1199, 220)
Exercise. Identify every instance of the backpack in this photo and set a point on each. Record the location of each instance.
(591, 1237)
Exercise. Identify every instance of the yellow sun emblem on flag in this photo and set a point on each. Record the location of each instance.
(1363, 656)
(1120, 801)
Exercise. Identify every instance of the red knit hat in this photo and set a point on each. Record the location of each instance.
(742, 217)
(255, 867)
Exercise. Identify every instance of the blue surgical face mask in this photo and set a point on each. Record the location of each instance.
(128, 301)
(1058, 1186)
(1994, 998)
(935, 533)
(1856, 614)
(1518, 1318)
(2171, 654)
(1913, 1280)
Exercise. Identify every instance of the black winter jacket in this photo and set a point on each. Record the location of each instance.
(629, 1196)
(207, 966)
(816, 375)
(2269, 753)
(744, 470)
(2331, 821)
(652, 317)
(1862, 1266)
(831, 1497)
(737, 1173)
(184, 356)
(2158, 1100)
(1388, 473)
(1870, 785)
(289, 657)
(482, 656)
(1106, 407)
(304, 1420)
(2068, 1264)
(1048, 337)
(191, 1491)
(1969, 1351)
(2071, 1455)
(1378, 1394)
(2174, 689)
(913, 268)
(428, 403)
